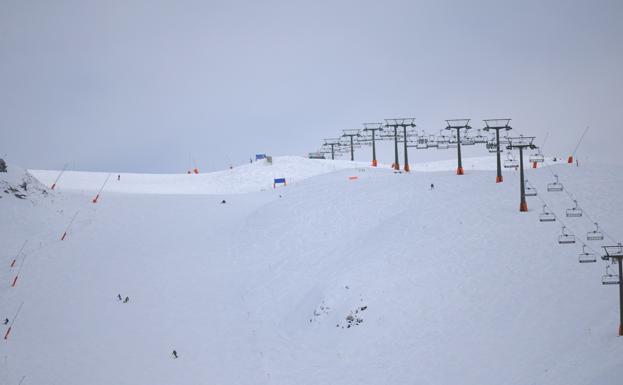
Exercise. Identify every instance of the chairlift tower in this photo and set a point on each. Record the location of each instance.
(458, 124)
(615, 253)
(351, 134)
(332, 143)
(372, 128)
(521, 143)
(395, 124)
(497, 125)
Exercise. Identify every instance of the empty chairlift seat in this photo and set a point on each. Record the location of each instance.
(575, 211)
(595, 235)
(610, 278)
(530, 191)
(555, 186)
(566, 238)
(510, 162)
(586, 256)
(546, 215)
(537, 157)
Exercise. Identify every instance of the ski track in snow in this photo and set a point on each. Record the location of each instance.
(444, 286)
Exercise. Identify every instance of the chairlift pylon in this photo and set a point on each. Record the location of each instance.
(566, 238)
(555, 186)
(595, 235)
(609, 278)
(586, 257)
(575, 211)
(546, 215)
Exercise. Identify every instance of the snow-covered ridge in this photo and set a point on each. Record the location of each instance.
(246, 178)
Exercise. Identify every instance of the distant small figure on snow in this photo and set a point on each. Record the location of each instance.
(174, 354)
(119, 297)
(6, 321)
(432, 186)
(126, 300)
(118, 177)
(223, 201)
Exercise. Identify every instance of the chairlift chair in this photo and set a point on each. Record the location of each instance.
(586, 257)
(555, 186)
(546, 215)
(575, 211)
(537, 157)
(566, 238)
(431, 141)
(510, 162)
(443, 143)
(610, 278)
(530, 191)
(595, 235)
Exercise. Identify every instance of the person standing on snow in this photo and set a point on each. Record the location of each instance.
(174, 354)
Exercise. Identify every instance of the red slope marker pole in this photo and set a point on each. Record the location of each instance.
(58, 177)
(19, 253)
(69, 225)
(6, 335)
(101, 189)
(19, 270)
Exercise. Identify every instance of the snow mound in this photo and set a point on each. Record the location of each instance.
(252, 177)
(20, 184)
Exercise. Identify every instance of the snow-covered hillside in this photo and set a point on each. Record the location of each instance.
(330, 280)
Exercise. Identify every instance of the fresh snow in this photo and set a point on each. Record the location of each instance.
(444, 286)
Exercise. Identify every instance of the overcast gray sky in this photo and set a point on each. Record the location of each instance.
(140, 85)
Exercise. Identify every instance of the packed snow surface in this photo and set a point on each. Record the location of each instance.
(333, 279)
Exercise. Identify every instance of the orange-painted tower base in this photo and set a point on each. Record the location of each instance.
(374, 163)
(523, 207)
(459, 171)
(407, 169)
(570, 160)
(534, 164)
(620, 330)
(499, 179)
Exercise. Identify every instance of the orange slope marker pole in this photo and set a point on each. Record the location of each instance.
(58, 177)
(6, 335)
(101, 189)
(19, 253)
(69, 225)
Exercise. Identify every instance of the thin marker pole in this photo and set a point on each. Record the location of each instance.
(19, 253)
(101, 189)
(69, 225)
(6, 335)
(58, 177)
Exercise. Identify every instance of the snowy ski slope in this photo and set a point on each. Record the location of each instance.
(330, 280)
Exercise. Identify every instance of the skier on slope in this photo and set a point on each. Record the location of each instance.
(126, 300)
(119, 297)
(6, 321)
(174, 354)
(118, 177)
(432, 186)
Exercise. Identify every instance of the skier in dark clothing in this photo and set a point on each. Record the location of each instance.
(119, 177)
(174, 354)
(126, 300)
(6, 321)
(119, 297)
(432, 186)
(223, 201)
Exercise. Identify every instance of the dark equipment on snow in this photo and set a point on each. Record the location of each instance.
(223, 201)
